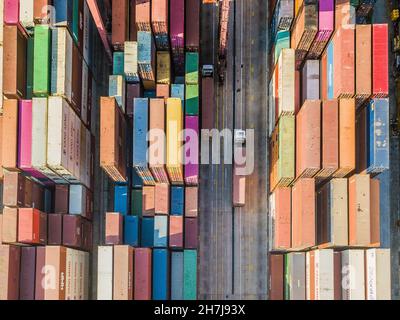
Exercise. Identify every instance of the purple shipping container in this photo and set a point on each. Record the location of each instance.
(326, 26)
(132, 91)
(191, 235)
(310, 80)
(191, 150)
(27, 274)
(177, 32)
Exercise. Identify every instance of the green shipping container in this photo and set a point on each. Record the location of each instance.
(29, 68)
(190, 275)
(192, 100)
(136, 202)
(287, 277)
(286, 162)
(118, 64)
(192, 68)
(75, 21)
(41, 61)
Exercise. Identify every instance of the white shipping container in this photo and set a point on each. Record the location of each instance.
(57, 136)
(26, 13)
(324, 275)
(86, 275)
(378, 271)
(353, 281)
(286, 82)
(68, 275)
(130, 61)
(105, 273)
(61, 63)
(339, 213)
(77, 199)
(81, 262)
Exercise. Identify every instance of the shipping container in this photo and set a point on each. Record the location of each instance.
(160, 232)
(54, 229)
(11, 12)
(353, 275)
(41, 62)
(276, 277)
(363, 63)
(41, 11)
(320, 275)
(161, 274)
(303, 214)
(175, 231)
(207, 104)
(177, 273)
(295, 276)
(27, 274)
(332, 214)
(377, 274)
(147, 232)
(191, 202)
(136, 202)
(310, 80)
(177, 201)
(118, 63)
(282, 16)
(282, 41)
(162, 91)
(112, 137)
(163, 67)
(159, 20)
(26, 14)
(55, 260)
(280, 218)
(114, 228)
(380, 65)
(148, 202)
(63, 13)
(162, 198)
(191, 157)
(123, 272)
(142, 276)
(308, 139)
(10, 257)
(285, 83)
(174, 130)
(72, 231)
(345, 14)
(131, 62)
(105, 273)
(32, 227)
(177, 35)
(191, 233)
(121, 199)
(147, 59)
(192, 29)
(131, 231)
(116, 89)
(13, 189)
(190, 275)
(120, 17)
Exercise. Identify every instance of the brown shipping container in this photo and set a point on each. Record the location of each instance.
(281, 216)
(28, 185)
(133, 90)
(9, 272)
(1, 228)
(10, 225)
(337, 275)
(14, 63)
(192, 31)
(148, 201)
(207, 102)
(143, 15)
(40, 273)
(123, 273)
(308, 139)
(55, 264)
(330, 138)
(54, 229)
(142, 278)
(276, 265)
(191, 233)
(119, 23)
(303, 214)
(27, 276)
(359, 210)
(13, 189)
(61, 199)
(363, 63)
(112, 140)
(72, 231)
(76, 95)
(37, 196)
(114, 228)
(32, 226)
(347, 137)
(132, 21)
(191, 201)
(10, 134)
(375, 212)
(162, 198)
(40, 11)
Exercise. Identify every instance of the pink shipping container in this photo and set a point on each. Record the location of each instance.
(326, 26)
(380, 51)
(176, 231)
(11, 12)
(191, 202)
(192, 150)
(177, 24)
(143, 15)
(162, 198)
(142, 274)
(25, 140)
(159, 16)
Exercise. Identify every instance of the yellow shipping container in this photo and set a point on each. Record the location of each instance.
(297, 6)
(174, 140)
(163, 67)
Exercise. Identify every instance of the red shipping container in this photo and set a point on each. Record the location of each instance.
(276, 272)
(324, 76)
(176, 231)
(72, 231)
(142, 277)
(380, 57)
(280, 213)
(120, 19)
(191, 233)
(11, 12)
(9, 272)
(303, 214)
(114, 228)
(308, 139)
(143, 15)
(132, 21)
(32, 226)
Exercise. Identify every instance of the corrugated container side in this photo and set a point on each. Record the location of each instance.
(353, 263)
(191, 202)
(142, 277)
(380, 52)
(120, 19)
(177, 271)
(363, 63)
(123, 273)
(276, 276)
(163, 68)
(175, 231)
(161, 274)
(190, 275)
(192, 29)
(191, 150)
(280, 216)
(41, 62)
(131, 62)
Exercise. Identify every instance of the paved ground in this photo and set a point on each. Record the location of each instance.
(233, 243)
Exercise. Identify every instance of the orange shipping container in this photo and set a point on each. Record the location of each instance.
(308, 139)
(162, 198)
(114, 228)
(143, 15)
(347, 137)
(9, 272)
(112, 139)
(303, 214)
(123, 273)
(359, 210)
(162, 91)
(148, 201)
(10, 134)
(10, 225)
(363, 63)
(56, 263)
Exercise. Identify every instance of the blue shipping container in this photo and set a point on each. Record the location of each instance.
(118, 64)
(177, 276)
(147, 233)
(378, 136)
(121, 199)
(115, 90)
(137, 181)
(63, 13)
(161, 231)
(160, 274)
(177, 201)
(178, 91)
(131, 231)
(140, 129)
(162, 42)
(329, 67)
(146, 47)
